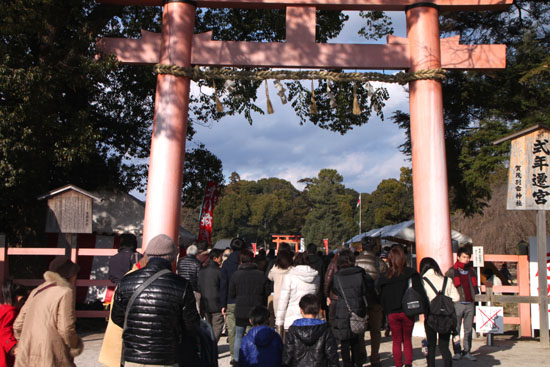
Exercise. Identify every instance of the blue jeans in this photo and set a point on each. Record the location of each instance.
(239, 333)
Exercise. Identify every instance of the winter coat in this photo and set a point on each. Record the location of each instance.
(8, 313)
(316, 262)
(121, 263)
(162, 315)
(437, 281)
(249, 287)
(452, 273)
(392, 289)
(188, 268)
(332, 268)
(111, 348)
(298, 282)
(373, 267)
(209, 287)
(203, 258)
(310, 343)
(229, 267)
(45, 327)
(277, 275)
(354, 286)
(261, 347)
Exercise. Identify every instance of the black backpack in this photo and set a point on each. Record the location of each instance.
(442, 317)
(412, 302)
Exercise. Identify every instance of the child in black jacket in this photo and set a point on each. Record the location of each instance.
(309, 341)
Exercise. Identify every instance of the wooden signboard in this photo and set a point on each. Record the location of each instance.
(529, 173)
(69, 212)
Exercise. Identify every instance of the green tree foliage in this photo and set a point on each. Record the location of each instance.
(390, 203)
(255, 210)
(200, 167)
(331, 214)
(67, 117)
(482, 106)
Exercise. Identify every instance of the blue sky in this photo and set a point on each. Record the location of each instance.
(277, 146)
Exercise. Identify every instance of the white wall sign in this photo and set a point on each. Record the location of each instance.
(534, 279)
(489, 319)
(529, 172)
(477, 256)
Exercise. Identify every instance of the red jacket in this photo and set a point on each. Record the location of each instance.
(8, 313)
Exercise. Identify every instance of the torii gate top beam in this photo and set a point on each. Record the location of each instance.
(388, 5)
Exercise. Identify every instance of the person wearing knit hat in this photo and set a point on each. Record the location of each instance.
(46, 340)
(162, 315)
(161, 246)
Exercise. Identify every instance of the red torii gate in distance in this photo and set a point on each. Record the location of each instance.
(422, 49)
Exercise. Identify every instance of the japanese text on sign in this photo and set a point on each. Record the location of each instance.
(529, 184)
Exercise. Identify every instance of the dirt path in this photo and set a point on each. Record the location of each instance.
(506, 351)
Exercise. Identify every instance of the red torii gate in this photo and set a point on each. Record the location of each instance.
(421, 50)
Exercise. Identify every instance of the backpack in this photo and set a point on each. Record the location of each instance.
(412, 302)
(442, 317)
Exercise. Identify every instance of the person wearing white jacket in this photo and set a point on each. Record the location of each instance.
(299, 281)
(431, 271)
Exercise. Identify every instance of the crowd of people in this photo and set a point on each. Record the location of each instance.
(288, 309)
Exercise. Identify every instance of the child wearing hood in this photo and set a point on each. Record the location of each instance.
(309, 341)
(261, 346)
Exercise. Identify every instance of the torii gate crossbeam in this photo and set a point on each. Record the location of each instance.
(422, 49)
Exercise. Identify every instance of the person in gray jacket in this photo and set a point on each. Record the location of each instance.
(373, 266)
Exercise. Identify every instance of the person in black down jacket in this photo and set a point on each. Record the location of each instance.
(209, 288)
(249, 287)
(163, 316)
(309, 341)
(189, 266)
(349, 281)
(393, 285)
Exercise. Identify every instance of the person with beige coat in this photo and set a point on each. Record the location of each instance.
(45, 327)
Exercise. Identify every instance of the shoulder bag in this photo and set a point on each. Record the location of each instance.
(357, 324)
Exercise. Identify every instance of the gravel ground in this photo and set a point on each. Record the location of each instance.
(506, 351)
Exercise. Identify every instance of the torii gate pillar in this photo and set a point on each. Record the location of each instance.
(431, 200)
(163, 203)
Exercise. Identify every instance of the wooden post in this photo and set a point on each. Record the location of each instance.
(524, 290)
(429, 167)
(163, 202)
(71, 245)
(543, 281)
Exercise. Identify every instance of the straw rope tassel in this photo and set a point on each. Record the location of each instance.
(313, 104)
(219, 106)
(269, 105)
(356, 107)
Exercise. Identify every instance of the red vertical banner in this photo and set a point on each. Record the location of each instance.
(207, 212)
(254, 248)
(325, 241)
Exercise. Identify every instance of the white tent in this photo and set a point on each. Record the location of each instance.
(404, 232)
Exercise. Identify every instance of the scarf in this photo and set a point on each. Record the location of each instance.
(464, 267)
